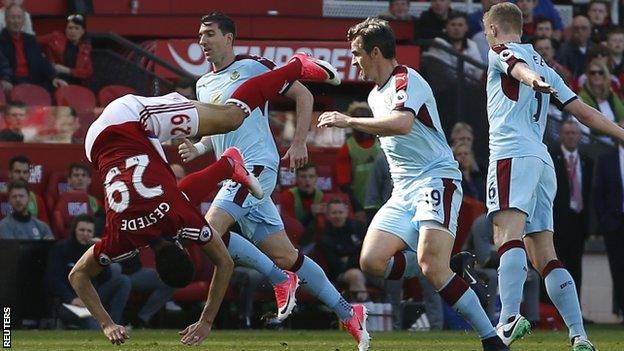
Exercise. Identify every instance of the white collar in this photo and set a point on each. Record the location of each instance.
(566, 153)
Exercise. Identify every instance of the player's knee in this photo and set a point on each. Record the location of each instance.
(373, 265)
(432, 266)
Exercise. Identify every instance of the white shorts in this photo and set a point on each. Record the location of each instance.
(432, 203)
(166, 117)
(527, 184)
(257, 218)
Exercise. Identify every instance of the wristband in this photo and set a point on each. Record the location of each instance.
(201, 148)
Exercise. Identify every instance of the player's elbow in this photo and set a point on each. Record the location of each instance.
(403, 128)
(74, 277)
(225, 263)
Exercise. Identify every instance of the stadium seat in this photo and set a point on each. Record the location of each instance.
(112, 92)
(2, 98)
(57, 184)
(76, 96)
(470, 209)
(294, 229)
(31, 94)
(5, 207)
(69, 205)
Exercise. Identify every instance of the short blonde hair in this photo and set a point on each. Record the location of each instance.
(506, 16)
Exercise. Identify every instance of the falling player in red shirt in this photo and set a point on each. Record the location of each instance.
(145, 206)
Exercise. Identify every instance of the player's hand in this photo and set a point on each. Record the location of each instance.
(195, 333)
(297, 153)
(543, 87)
(116, 334)
(333, 119)
(187, 151)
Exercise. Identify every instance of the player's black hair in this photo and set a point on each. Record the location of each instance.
(173, 265)
(541, 19)
(18, 159)
(390, 2)
(224, 22)
(375, 32)
(306, 167)
(78, 165)
(456, 14)
(17, 184)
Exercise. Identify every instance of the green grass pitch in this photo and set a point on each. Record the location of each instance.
(606, 338)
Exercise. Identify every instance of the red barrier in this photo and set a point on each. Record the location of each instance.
(188, 55)
(166, 7)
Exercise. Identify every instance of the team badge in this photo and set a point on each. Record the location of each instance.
(206, 234)
(505, 55)
(104, 260)
(234, 75)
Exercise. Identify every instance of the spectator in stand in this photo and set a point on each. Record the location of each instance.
(528, 23)
(573, 53)
(615, 44)
(14, 115)
(599, 53)
(19, 170)
(473, 181)
(462, 133)
(456, 37)
(544, 28)
(112, 286)
(304, 202)
(178, 171)
(70, 53)
(545, 47)
(354, 161)
(546, 9)
(27, 62)
(475, 27)
(27, 28)
(20, 224)
(571, 206)
(65, 210)
(145, 280)
(379, 187)
(608, 198)
(598, 93)
(432, 22)
(481, 243)
(598, 14)
(341, 243)
(397, 10)
(66, 124)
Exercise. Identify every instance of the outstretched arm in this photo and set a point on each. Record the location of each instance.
(298, 152)
(80, 279)
(592, 118)
(396, 123)
(527, 76)
(218, 254)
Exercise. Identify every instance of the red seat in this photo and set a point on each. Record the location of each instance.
(294, 229)
(69, 205)
(469, 211)
(5, 207)
(76, 96)
(2, 98)
(31, 94)
(112, 92)
(57, 184)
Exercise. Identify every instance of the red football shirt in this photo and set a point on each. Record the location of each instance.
(143, 202)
